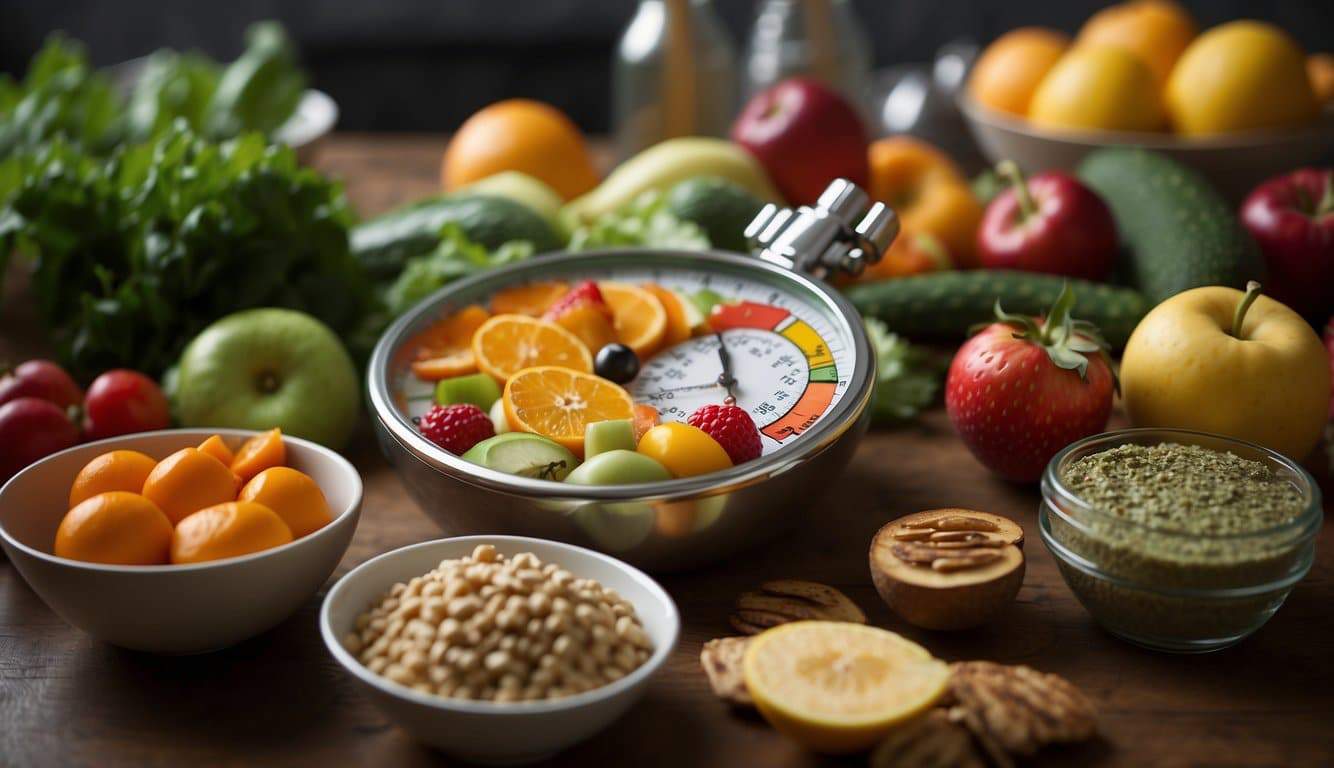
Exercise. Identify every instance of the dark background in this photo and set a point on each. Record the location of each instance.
(425, 65)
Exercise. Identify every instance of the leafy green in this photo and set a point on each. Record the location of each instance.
(62, 96)
(645, 222)
(454, 257)
(907, 379)
(132, 255)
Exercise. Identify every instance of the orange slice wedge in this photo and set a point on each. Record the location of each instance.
(559, 403)
(681, 318)
(444, 350)
(638, 316)
(530, 299)
(506, 344)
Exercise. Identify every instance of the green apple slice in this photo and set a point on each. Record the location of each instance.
(611, 435)
(477, 388)
(524, 454)
(618, 467)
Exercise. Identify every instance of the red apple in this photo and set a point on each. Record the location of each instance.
(1292, 218)
(120, 402)
(41, 379)
(805, 135)
(32, 428)
(1050, 223)
(1329, 345)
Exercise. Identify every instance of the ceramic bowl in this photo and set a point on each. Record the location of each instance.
(487, 732)
(175, 609)
(1234, 164)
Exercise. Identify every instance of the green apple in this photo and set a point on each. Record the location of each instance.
(610, 435)
(524, 454)
(618, 467)
(265, 368)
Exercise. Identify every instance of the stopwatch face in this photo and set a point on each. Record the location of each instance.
(790, 355)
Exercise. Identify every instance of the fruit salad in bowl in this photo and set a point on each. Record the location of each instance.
(621, 407)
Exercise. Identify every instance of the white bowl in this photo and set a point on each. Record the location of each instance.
(173, 608)
(487, 732)
(1235, 164)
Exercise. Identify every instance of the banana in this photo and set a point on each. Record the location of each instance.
(663, 165)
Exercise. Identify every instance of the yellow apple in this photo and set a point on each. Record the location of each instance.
(1098, 88)
(1238, 364)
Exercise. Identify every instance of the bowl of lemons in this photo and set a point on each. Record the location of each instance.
(1239, 102)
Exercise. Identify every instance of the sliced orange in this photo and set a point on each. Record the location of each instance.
(293, 495)
(187, 481)
(112, 471)
(506, 344)
(115, 527)
(531, 299)
(228, 530)
(679, 320)
(646, 418)
(216, 447)
(639, 317)
(559, 403)
(444, 350)
(259, 453)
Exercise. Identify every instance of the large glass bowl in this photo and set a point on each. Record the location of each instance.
(1172, 590)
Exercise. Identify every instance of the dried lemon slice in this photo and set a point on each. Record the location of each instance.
(836, 687)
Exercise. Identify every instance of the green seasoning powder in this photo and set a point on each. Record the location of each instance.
(1185, 537)
(1184, 488)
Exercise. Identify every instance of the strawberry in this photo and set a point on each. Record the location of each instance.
(732, 427)
(583, 312)
(456, 428)
(1022, 389)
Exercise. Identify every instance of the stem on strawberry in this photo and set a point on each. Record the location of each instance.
(1244, 306)
(1010, 172)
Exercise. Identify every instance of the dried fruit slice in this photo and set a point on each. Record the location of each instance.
(530, 299)
(933, 741)
(1020, 707)
(638, 316)
(721, 659)
(784, 600)
(837, 687)
(560, 403)
(506, 344)
(948, 568)
(444, 349)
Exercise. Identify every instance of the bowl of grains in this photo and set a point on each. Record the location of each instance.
(499, 649)
(1175, 540)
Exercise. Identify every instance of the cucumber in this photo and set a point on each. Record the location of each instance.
(944, 305)
(1179, 232)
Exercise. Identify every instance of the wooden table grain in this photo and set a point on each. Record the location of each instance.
(279, 699)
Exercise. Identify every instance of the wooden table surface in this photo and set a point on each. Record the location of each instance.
(279, 699)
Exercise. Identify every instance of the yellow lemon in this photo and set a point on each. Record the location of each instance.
(836, 687)
(1098, 88)
(1242, 76)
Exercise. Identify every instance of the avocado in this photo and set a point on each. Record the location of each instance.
(719, 207)
(944, 305)
(384, 244)
(1178, 231)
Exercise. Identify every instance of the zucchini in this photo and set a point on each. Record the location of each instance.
(945, 305)
(1179, 232)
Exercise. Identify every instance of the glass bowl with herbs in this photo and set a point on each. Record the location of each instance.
(1175, 540)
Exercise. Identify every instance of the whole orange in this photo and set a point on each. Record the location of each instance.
(112, 471)
(520, 135)
(1157, 31)
(296, 498)
(187, 481)
(227, 530)
(1009, 70)
(115, 527)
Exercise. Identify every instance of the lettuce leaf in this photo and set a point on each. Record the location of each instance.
(908, 378)
(645, 222)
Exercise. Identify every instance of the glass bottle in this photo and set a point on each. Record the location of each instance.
(674, 75)
(823, 39)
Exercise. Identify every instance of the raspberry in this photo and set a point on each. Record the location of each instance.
(456, 428)
(732, 427)
(586, 292)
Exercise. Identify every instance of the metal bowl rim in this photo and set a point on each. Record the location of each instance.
(845, 414)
